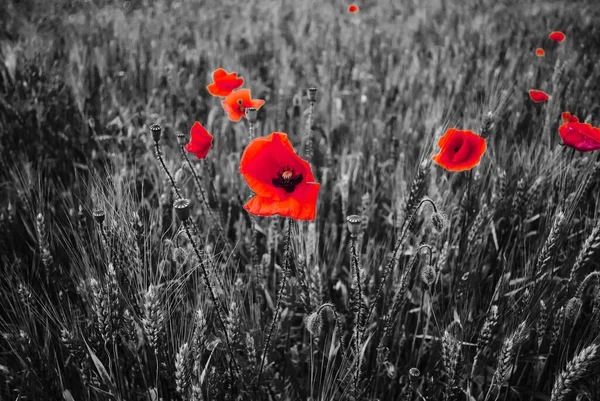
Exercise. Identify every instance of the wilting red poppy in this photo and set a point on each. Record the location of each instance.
(282, 181)
(200, 141)
(538, 96)
(353, 8)
(460, 150)
(224, 83)
(540, 52)
(557, 36)
(582, 137)
(238, 101)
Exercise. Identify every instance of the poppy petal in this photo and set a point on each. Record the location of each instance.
(557, 36)
(264, 157)
(460, 150)
(224, 83)
(540, 52)
(538, 96)
(236, 103)
(200, 141)
(300, 207)
(353, 8)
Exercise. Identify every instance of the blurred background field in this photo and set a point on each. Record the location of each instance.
(80, 84)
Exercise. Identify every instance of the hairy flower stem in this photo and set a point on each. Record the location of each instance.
(216, 221)
(213, 298)
(388, 268)
(158, 153)
(308, 147)
(286, 267)
(358, 307)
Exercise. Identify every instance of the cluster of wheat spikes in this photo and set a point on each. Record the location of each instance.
(130, 271)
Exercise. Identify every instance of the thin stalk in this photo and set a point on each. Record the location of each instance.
(280, 290)
(358, 306)
(213, 298)
(164, 167)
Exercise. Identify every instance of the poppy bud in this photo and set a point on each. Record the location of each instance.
(181, 140)
(428, 275)
(314, 323)
(312, 95)
(182, 208)
(99, 216)
(439, 221)
(156, 130)
(354, 224)
(572, 308)
(251, 114)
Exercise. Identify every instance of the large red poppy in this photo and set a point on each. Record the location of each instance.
(460, 150)
(238, 101)
(200, 141)
(224, 83)
(538, 96)
(282, 181)
(580, 136)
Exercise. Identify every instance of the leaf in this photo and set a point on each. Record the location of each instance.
(103, 372)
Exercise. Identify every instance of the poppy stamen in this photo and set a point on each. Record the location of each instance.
(287, 179)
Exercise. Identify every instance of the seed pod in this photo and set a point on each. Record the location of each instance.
(182, 208)
(99, 216)
(156, 130)
(312, 94)
(354, 222)
(251, 114)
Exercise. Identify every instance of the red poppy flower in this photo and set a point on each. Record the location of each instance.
(460, 150)
(353, 8)
(282, 181)
(557, 36)
(200, 141)
(582, 137)
(238, 101)
(538, 96)
(540, 52)
(224, 83)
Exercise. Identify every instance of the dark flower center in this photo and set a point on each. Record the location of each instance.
(240, 103)
(287, 179)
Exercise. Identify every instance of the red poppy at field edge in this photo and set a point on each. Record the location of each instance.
(538, 96)
(353, 8)
(238, 101)
(460, 150)
(583, 137)
(557, 36)
(224, 83)
(282, 181)
(540, 52)
(200, 141)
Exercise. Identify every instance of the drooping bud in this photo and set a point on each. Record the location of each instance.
(251, 114)
(439, 221)
(354, 222)
(314, 323)
(428, 275)
(182, 208)
(572, 308)
(99, 216)
(156, 130)
(181, 139)
(312, 94)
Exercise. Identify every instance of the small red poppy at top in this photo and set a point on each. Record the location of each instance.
(224, 83)
(540, 52)
(557, 36)
(583, 137)
(460, 150)
(282, 181)
(538, 96)
(200, 141)
(353, 8)
(238, 101)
